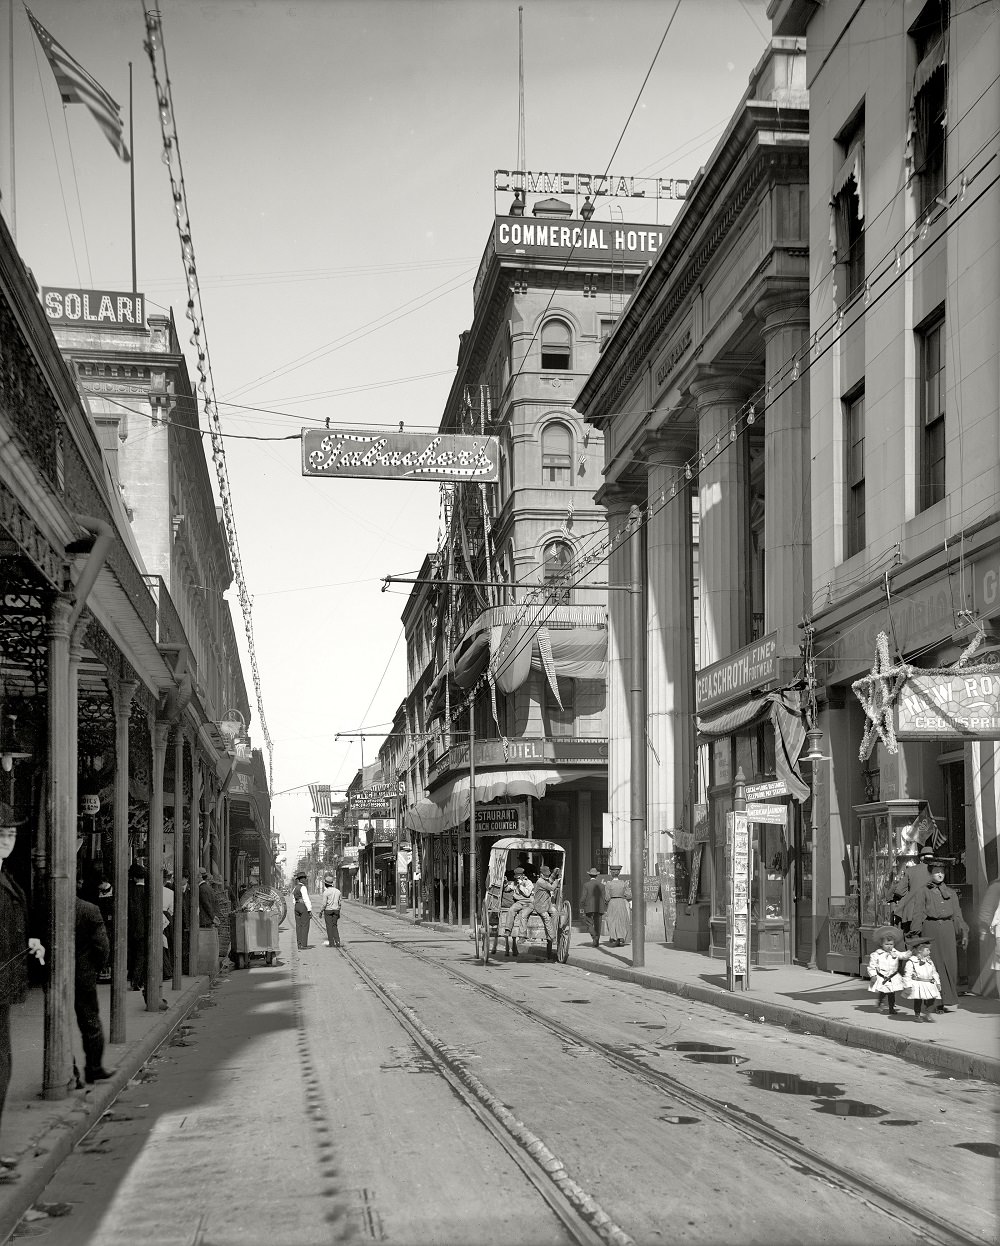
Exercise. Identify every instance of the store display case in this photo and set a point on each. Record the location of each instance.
(883, 828)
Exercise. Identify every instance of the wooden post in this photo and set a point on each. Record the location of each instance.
(159, 732)
(61, 859)
(122, 691)
(177, 916)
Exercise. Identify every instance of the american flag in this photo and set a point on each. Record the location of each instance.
(76, 86)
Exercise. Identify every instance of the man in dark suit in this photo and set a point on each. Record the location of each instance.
(593, 904)
(92, 951)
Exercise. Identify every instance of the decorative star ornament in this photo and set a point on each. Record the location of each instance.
(877, 692)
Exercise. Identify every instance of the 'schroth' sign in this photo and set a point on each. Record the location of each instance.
(399, 455)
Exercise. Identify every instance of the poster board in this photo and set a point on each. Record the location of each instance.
(738, 896)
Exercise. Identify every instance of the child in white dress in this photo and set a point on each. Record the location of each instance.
(883, 971)
(923, 981)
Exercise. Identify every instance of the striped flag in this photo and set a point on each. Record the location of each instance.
(76, 86)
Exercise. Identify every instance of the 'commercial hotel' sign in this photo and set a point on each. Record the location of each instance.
(560, 239)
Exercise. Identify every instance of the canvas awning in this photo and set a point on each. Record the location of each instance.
(785, 710)
(450, 806)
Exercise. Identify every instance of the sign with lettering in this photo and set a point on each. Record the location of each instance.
(105, 309)
(738, 908)
(562, 238)
(765, 790)
(607, 185)
(499, 820)
(356, 452)
(777, 815)
(377, 796)
(959, 705)
(736, 675)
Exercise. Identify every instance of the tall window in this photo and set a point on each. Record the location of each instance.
(557, 558)
(848, 205)
(929, 103)
(557, 454)
(557, 346)
(854, 474)
(932, 410)
(560, 722)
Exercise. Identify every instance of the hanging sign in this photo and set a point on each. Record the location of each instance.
(777, 815)
(948, 706)
(735, 676)
(357, 452)
(738, 908)
(90, 804)
(766, 790)
(107, 309)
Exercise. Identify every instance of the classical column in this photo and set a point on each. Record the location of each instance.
(723, 548)
(122, 691)
(617, 502)
(194, 857)
(787, 514)
(176, 917)
(669, 651)
(159, 732)
(60, 859)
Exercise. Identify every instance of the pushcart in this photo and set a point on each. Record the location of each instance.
(254, 926)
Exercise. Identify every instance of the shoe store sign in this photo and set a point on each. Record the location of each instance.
(949, 706)
(356, 452)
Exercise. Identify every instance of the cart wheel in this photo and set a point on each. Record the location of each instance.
(565, 928)
(268, 958)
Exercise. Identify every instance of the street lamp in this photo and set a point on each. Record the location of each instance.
(814, 756)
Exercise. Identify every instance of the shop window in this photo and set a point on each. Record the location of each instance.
(931, 433)
(557, 559)
(557, 346)
(557, 454)
(854, 474)
(847, 205)
(927, 136)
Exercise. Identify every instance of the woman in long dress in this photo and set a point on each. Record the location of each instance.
(618, 918)
(936, 916)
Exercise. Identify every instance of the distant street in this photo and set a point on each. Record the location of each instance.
(399, 1091)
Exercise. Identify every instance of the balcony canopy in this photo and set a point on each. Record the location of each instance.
(450, 806)
(568, 642)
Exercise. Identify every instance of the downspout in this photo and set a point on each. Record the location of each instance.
(104, 536)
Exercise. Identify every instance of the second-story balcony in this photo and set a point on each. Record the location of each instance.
(564, 640)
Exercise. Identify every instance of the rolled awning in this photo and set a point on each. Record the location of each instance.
(785, 710)
(578, 651)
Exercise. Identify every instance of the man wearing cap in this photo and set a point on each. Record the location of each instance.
(593, 904)
(303, 909)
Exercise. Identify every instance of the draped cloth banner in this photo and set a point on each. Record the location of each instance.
(451, 806)
(787, 715)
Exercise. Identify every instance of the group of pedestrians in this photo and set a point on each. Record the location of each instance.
(330, 905)
(607, 904)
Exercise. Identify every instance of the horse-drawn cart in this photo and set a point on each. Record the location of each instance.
(543, 919)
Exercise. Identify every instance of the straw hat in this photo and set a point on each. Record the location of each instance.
(894, 933)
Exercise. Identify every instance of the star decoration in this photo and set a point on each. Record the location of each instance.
(877, 693)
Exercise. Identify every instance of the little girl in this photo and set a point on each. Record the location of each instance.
(923, 980)
(883, 970)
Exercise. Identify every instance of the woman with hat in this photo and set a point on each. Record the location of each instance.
(937, 917)
(883, 967)
(618, 919)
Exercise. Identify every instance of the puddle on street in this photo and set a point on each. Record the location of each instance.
(849, 1107)
(575, 1001)
(793, 1084)
(989, 1149)
(692, 1046)
(899, 1122)
(679, 1120)
(715, 1057)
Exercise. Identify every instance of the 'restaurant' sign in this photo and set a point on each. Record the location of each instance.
(949, 706)
(560, 239)
(734, 676)
(399, 455)
(107, 309)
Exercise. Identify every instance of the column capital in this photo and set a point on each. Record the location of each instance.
(617, 498)
(671, 446)
(714, 384)
(122, 692)
(780, 308)
(79, 631)
(59, 616)
(159, 731)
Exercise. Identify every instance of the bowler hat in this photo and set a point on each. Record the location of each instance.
(7, 818)
(594, 873)
(301, 874)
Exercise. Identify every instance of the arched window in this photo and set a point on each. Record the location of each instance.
(557, 454)
(557, 346)
(557, 557)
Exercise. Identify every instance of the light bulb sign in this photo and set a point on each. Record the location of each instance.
(356, 452)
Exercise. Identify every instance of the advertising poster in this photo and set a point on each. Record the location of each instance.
(738, 908)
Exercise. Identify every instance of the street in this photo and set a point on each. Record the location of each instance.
(400, 1091)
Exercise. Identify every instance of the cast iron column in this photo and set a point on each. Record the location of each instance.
(637, 731)
(122, 691)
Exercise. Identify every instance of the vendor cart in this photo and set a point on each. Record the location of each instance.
(254, 926)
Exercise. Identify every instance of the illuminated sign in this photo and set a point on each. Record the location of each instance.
(519, 236)
(106, 309)
(736, 675)
(602, 185)
(398, 455)
(946, 706)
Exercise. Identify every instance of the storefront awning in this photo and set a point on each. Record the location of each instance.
(785, 710)
(451, 805)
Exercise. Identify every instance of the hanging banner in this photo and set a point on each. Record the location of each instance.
(357, 452)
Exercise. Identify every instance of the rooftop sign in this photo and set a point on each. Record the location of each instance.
(105, 309)
(399, 455)
(559, 238)
(603, 185)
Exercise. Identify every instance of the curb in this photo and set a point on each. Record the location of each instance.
(946, 1059)
(36, 1174)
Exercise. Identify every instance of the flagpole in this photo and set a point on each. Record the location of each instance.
(131, 165)
(13, 177)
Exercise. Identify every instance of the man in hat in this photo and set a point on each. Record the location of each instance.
(910, 884)
(303, 909)
(593, 904)
(523, 889)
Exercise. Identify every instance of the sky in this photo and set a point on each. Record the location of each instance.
(339, 162)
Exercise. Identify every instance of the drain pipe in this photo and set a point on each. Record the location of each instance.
(104, 536)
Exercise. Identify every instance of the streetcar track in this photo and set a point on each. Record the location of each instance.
(788, 1150)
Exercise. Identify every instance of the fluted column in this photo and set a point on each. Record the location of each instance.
(122, 691)
(159, 732)
(723, 559)
(617, 502)
(669, 652)
(193, 856)
(177, 916)
(60, 858)
(787, 513)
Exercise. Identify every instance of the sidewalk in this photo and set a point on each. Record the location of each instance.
(811, 1001)
(39, 1133)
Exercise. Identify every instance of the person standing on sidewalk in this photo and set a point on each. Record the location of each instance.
(303, 909)
(883, 967)
(593, 904)
(330, 909)
(923, 981)
(618, 921)
(937, 917)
